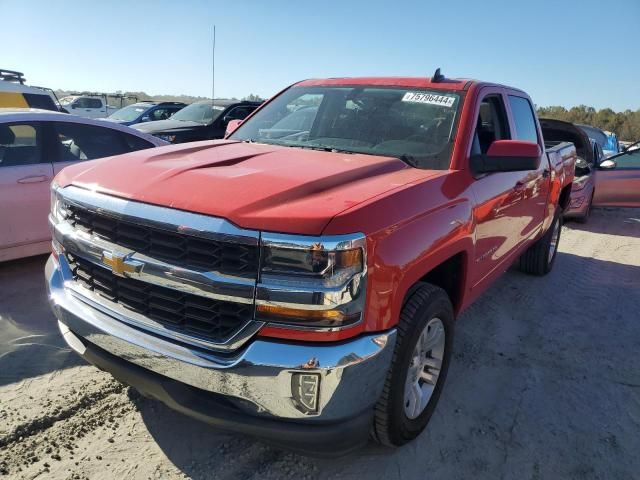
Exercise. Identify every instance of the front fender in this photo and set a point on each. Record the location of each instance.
(410, 252)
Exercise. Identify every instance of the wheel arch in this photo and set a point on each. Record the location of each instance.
(450, 275)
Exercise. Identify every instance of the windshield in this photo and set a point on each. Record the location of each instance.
(595, 134)
(203, 113)
(416, 126)
(128, 114)
(66, 100)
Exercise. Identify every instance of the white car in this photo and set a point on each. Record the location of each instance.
(88, 106)
(34, 146)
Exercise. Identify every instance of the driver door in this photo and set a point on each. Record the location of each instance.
(617, 184)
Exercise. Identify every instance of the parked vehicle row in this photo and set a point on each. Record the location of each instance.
(35, 145)
(204, 120)
(612, 181)
(146, 111)
(300, 280)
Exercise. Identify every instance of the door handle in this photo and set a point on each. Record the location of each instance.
(34, 179)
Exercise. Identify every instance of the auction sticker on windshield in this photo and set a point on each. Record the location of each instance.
(430, 98)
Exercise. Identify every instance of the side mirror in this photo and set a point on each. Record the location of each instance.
(608, 164)
(507, 156)
(73, 105)
(145, 118)
(231, 126)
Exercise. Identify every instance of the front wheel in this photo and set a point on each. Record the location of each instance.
(418, 368)
(540, 257)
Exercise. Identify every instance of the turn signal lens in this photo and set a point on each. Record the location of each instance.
(307, 318)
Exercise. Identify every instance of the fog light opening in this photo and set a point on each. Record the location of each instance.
(305, 391)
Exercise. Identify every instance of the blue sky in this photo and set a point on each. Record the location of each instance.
(560, 52)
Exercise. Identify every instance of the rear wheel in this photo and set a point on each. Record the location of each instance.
(419, 366)
(587, 213)
(540, 257)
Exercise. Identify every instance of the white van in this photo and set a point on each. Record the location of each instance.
(15, 94)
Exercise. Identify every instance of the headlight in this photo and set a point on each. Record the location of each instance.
(166, 138)
(315, 282)
(315, 265)
(56, 211)
(579, 184)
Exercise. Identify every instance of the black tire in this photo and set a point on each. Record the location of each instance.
(538, 259)
(391, 426)
(584, 218)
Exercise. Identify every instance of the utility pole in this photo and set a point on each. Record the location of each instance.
(213, 67)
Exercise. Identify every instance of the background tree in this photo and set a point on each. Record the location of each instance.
(625, 124)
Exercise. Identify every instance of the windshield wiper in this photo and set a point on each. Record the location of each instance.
(408, 159)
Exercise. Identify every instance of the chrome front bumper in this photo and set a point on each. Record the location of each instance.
(259, 380)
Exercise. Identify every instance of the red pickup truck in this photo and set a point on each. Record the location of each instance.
(299, 280)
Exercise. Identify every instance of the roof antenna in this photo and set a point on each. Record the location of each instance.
(437, 76)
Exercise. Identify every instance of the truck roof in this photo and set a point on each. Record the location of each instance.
(453, 84)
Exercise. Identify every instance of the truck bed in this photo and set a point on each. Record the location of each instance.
(562, 159)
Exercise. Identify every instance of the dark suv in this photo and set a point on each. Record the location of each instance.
(145, 112)
(199, 121)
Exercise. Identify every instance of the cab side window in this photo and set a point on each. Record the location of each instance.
(136, 143)
(87, 142)
(94, 103)
(491, 124)
(81, 103)
(630, 159)
(523, 119)
(161, 113)
(239, 113)
(597, 152)
(19, 144)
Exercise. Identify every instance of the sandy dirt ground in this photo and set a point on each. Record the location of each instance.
(545, 383)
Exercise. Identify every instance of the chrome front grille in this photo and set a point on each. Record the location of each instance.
(210, 319)
(180, 250)
(193, 277)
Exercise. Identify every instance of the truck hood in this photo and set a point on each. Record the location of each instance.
(257, 186)
(169, 126)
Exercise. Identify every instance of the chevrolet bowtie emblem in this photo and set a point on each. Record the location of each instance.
(121, 264)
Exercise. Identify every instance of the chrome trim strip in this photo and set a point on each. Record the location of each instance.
(301, 242)
(206, 284)
(134, 319)
(316, 297)
(187, 223)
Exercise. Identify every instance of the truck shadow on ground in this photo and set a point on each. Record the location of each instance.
(30, 343)
(521, 379)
